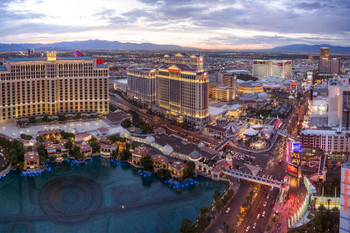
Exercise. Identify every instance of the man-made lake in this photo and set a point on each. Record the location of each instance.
(98, 196)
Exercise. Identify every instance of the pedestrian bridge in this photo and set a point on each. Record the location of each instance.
(285, 134)
(252, 178)
(227, 140)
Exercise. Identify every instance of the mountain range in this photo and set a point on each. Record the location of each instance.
(116, 45)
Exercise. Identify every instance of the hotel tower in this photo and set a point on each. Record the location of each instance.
(52, 85)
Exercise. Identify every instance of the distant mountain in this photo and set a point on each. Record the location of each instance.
(90, 45)
(304, 48)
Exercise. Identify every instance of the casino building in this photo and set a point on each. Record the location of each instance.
(52, 85)
(275, 68)
(141, 85)
(194, 60)
(182, 93)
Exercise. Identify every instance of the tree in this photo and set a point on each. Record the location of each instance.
(68, 145)
(189, 170)
(76, 153)
(42, 151)
(61, 117)
(26, 137)
(126, 123)
(42, 160)
(29, 148)
(114, 154)
(147, 163)
(125, 155)
(187, 226)
(216, 194)
(94, 145)
(46, 118)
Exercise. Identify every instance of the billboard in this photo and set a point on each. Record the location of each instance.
(344, 222)
(292, 168)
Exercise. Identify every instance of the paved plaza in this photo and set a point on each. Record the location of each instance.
(13, 131)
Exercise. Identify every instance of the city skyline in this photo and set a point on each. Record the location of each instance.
(227, 25)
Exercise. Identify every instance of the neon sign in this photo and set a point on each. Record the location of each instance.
(346, 189)
(292, 168)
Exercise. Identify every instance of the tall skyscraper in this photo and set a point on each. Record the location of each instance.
(324, 52)
(275, 68)
(182, 92)
(339, 102)
(344, 221)
(327, 65)
(141, 85)
(52, 85)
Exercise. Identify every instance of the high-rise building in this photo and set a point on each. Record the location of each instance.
(327, 65)
(339, 102)
(344, 220)
(182, 92)
(275, 68)
(52, 85)
(223, 93)
(324, 52)
(228, 78)
(194, 60)
(141, 85)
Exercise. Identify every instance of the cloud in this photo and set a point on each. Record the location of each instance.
(185, 22)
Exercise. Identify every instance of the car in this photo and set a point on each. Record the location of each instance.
(228, 210)
(280, 162)
(263, 214)
(259, 208)
(223, 224)
(248, 228)
(268, 196)
(254, 225)
(258, 217)
(265, 203)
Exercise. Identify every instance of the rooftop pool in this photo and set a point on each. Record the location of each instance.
(98, 196)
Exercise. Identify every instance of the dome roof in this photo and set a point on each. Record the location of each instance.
(195, 155)
(125, 133)
(149, 139)
(167, 149)
(201, 144)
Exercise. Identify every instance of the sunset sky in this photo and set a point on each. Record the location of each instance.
(228, 24)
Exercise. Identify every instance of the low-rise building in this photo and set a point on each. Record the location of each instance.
(139, 153)
(160, 161)
(85, 149)
(177, 169)
(31, 160)
(83, 137)
(106, 150)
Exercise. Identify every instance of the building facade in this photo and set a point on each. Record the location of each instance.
(228, 78)
(344, 220)
(275, 68)
(339, 102)
(330, 141)
(141, 85)
(182, 92)
(327, 65)
(194, 60)
(223, 93)
(52, 85)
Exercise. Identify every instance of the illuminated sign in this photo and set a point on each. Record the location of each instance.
(297, 147)
(176, 71)
(51, 56)
(292, 168)
(346, 189)
(205, 77)
(288, 152)
(99, 61)
(77, 53)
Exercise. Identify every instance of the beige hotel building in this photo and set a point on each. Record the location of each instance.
(182, 92)
(52, 85)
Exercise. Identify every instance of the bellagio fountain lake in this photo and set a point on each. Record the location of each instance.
(98, 196)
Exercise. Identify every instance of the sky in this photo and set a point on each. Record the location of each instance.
(209, 24)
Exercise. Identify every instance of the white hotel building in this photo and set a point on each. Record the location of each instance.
(263, 69)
